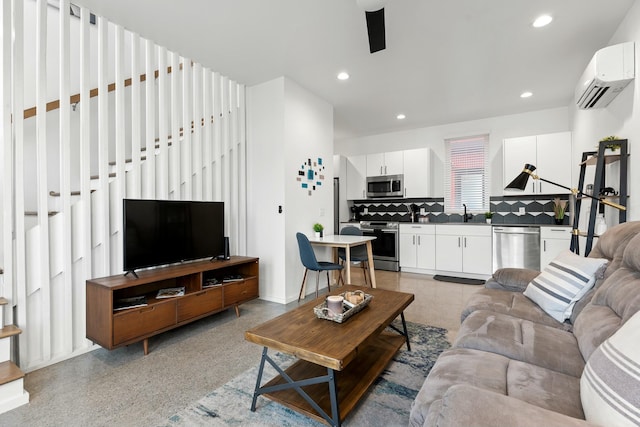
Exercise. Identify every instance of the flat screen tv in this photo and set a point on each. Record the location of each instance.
(158, 232)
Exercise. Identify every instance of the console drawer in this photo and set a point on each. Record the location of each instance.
(143, 321)
(241, 291)
(200, 303)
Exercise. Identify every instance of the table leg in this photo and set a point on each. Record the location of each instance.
(347, 252)
(333, 394)
(290, 383)
(259, 380)
(404, 331)
(372, 270)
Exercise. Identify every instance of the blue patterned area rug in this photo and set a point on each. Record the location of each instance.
(387, 403)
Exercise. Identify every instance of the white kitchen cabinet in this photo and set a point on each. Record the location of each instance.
(553, 241)
(417, 172)
(417, 246)
(549, 153)
(463, 249)
(390, 163)
(356, 177)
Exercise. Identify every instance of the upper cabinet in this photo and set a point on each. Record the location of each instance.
(417, 172)
(356, 177)
(385, 163)
(549, 153)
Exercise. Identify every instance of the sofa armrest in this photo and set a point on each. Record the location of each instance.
(511, 279)
(465, 405)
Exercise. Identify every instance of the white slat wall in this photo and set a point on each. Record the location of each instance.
(164, 108)
(195, 115)
(149, 181)
(187, 164)
(176, 119)
(18, 137)
(6, 154)
(136, 119)
(120, 181)
(64, 310)
(85, 166)
(196, 142)
(39, 293)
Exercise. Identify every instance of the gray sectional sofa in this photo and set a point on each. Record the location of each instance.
(512, 364)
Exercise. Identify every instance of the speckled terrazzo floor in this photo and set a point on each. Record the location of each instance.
(125, 388)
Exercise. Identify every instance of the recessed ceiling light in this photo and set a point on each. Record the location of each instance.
(542, 21)
(401, 116)
(526, 95)
(343, 75)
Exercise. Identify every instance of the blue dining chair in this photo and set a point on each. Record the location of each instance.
(308, 258)
(357, 254)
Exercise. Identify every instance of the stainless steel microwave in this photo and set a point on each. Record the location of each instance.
(385, 186)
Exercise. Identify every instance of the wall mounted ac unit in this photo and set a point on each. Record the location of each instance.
(609, 72)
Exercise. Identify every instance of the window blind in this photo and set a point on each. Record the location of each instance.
(466, 175)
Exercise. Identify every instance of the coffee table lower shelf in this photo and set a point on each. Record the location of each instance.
(352, 382)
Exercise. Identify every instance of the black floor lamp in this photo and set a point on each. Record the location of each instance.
(520, 183)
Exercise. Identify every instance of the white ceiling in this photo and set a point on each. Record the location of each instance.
(446, 60)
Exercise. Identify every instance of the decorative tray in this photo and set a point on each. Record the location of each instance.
(322, 312)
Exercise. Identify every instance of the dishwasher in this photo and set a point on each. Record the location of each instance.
(516, 247)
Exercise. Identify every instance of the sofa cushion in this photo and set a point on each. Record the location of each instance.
(610, 385)
(511, 303)
(521, 340)
(489, 371)
(563, 282)
(511, 279)
(465, 405)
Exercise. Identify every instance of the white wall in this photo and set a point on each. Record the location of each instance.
(620, 118)
(286, 125)
(265, 184)
(537, 122)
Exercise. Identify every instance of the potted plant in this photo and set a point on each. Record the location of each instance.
(559, 207)
(613, 147)
(488, 216)
(317, 227)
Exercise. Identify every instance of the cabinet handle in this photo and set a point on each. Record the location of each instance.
(540, 186)
(533, 187)
(458, 241)
(414, 239)
(385, 170)
(465, 242)
(544, 245)
(419, 241)
(381, 171)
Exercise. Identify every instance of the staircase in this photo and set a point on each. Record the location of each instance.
(12, 392)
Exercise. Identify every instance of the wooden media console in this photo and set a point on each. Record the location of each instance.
(236, 281)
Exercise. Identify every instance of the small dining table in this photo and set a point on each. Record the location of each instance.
(336, 241)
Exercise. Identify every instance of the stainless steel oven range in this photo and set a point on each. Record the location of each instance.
(385, 246)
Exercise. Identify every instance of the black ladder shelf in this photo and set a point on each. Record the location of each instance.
(600, 160)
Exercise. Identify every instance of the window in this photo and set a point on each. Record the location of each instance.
(466, 175)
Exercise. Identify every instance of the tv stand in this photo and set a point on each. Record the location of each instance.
(206, 293)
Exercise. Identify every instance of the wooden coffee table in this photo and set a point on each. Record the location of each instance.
(337, 362)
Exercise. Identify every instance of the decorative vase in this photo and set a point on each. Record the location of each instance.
(558, 221)
(488, 220)
(318, 235)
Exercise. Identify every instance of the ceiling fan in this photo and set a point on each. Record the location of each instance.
(374, 11)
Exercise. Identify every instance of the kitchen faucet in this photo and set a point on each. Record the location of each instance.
(466, 217)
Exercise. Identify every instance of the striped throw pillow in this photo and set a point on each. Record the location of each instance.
(563, 282)
(610, 382)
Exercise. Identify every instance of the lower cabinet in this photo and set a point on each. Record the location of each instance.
(553, 240)
(417, 246)
(463, 249)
